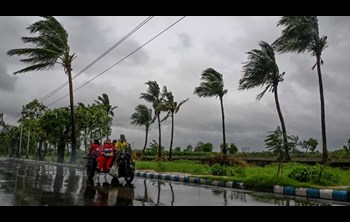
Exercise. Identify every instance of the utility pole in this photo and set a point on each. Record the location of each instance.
(18, 155)
(28, 144)
(20, 140)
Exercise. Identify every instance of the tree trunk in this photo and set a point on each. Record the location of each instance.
(18, 153)
(39, 148)
(284, 131)
(72, 113)
(144, 147)
(60, 150)
(67, 146)
(85, 141)
(160, 137)
(224, 150)
(45, 149)
(323, 112)
(172, 136)
(58, 182)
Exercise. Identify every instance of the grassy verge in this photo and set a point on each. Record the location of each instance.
(254, 177)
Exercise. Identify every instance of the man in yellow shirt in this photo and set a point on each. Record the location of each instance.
(121, 144)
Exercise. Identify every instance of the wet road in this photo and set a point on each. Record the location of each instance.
(23, 184)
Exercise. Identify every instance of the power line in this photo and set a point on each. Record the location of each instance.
(92, 63)
(98, 58)
(120, 60)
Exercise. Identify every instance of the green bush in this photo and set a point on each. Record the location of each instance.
(324, 175)
(302, 173)
(318, 174)
(218, 170)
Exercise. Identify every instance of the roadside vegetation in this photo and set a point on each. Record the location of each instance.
(258, 177)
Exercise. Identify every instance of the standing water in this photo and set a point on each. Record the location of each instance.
(34, 184)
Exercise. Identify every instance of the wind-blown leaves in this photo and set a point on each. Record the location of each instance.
(49, 47)
(213, 85)
(300, 34)
(261, 70)
(142, 117)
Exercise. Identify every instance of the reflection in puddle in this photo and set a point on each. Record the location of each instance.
(23, 184)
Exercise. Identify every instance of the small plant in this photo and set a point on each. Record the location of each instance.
(218, 170)
(161, 166)
(324, 176)
(302, 174)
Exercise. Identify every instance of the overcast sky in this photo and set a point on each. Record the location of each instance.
(176, 59)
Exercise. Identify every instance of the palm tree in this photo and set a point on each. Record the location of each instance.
(104, 100)
(213, 85)
(153, 96)
(301, 34)
(172, 107)
(262, 70)
(50, 47)
(143, 117)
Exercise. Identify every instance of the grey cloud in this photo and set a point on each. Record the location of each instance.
(6, 82)
(185, 40)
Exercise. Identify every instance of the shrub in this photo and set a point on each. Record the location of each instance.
(218, 170)
(302, 173)
(318, 174)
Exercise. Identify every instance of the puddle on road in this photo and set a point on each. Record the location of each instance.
(33, 184)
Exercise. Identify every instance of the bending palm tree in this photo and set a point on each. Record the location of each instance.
(172, 107)
(301, 34)
(50, 47)
(142, 117)
(262, 69)
(104, 100)
(213, 85)
(153, 96)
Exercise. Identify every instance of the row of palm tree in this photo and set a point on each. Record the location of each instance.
(161, 102)
(299, 34)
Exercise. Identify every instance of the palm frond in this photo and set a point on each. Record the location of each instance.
(141, 116)
(260, 95)
(166, 117)
(298, 35)
(212, 84)
(180, 104)
(49, 46)
(37, 67)
(260, 69)
(149, 98)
